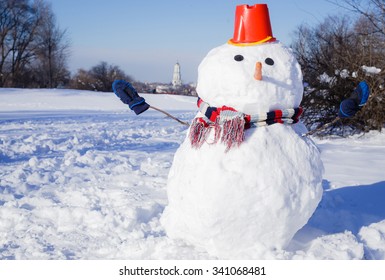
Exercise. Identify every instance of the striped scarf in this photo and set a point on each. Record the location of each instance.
(229, 124)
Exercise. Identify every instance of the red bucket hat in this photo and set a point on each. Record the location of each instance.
(252, 25)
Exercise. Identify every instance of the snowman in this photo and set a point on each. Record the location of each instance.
(244, 181)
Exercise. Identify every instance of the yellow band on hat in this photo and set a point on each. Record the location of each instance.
(268, 38)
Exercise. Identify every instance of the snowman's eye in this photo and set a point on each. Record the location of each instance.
(269, 61)
(238, 57)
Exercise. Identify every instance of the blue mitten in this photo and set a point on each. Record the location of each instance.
(350, 106)
(128, 95)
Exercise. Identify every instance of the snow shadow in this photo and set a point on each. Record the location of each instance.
(349, 208)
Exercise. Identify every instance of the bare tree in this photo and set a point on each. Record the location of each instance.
(99, 77)
(21, 22)
(82, 80)
(372, 10)
(52, 51)
(32, 47)
(335, 57)
(6, 25)
(373, 49)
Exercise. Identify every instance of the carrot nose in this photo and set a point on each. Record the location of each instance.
(258, 71)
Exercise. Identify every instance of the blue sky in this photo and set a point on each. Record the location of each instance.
(145, 38)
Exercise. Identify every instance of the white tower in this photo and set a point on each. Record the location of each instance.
(176, 78)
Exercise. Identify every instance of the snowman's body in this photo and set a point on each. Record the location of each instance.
(255, 196)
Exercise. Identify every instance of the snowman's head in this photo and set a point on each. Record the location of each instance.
(252, 79)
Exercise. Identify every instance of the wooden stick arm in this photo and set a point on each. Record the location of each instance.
(170, 116)
(321, 127)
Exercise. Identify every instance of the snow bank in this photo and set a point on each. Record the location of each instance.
(62, 99)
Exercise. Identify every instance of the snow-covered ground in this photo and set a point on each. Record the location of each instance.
(82, 177)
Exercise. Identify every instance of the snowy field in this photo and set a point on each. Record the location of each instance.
(82, 177)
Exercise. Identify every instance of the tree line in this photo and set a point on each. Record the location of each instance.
(335, 56)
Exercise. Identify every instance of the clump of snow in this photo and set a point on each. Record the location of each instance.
(344, 73)
(373, 236)
(371, 70)
(325, 78)
(339, 246)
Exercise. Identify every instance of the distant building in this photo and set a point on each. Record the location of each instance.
(175, 87)
(176, 77)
